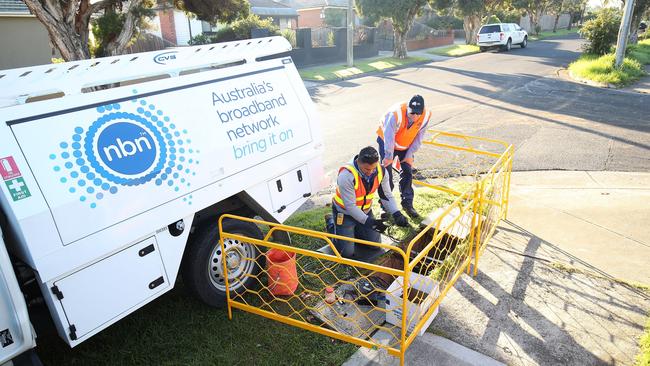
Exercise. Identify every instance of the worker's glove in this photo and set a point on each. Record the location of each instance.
(375, 225)
(379, 226)
(400, 219)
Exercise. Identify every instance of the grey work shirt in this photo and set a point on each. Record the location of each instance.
(345, 183)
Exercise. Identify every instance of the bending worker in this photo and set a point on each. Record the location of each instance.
(400, 135)
(352, 215)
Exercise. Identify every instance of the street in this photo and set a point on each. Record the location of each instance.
(515, 96)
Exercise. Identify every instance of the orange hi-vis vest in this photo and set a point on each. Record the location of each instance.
(404, 135)
(364, 199)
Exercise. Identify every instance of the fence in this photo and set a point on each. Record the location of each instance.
(464, 184)
(146, 42)
(418, 37)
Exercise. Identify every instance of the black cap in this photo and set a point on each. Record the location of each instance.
(417, 104)
(368, 155)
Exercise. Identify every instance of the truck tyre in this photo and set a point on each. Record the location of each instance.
(202, 270)
(483, 49)
(524, 43)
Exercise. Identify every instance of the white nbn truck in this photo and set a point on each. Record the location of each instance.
(115, 170)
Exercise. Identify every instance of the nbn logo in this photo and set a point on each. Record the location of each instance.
(127, 148)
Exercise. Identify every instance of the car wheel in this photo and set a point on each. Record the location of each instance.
(203, 263)
(509, 45)
(524, 43)
(482, 49)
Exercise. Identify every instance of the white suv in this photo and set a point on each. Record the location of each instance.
(502, 35)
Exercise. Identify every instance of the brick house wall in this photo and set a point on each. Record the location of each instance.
(310, 18)
(167, 26)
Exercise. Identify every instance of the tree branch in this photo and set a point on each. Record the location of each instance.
(71, 11)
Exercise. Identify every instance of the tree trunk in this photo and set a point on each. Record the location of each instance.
(568, 27)
(400, 49)
(61, 29)
(118, 45)
(557, 18)
(534, 20)
(471, 24)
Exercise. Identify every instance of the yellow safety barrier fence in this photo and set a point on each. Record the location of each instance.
(464, 190)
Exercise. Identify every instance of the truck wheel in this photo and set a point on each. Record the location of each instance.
(524, 43)
(203, 266)
(483, 49)
(508, 45)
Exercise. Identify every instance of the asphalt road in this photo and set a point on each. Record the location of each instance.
(515, 96)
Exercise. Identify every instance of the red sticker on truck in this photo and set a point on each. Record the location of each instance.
(8, 168)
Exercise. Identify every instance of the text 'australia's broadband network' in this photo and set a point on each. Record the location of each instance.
(253, 124)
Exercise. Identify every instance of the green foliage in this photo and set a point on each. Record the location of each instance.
(508, 15)
(601, 69)
(213, 11)
(203, 38)
(290, 35)
(601, 32)
(335, 17)
(105, 29)
(491, 19)
(445, 22)
(241, 29)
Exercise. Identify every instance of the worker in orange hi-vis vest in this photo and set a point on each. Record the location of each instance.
(400, 135)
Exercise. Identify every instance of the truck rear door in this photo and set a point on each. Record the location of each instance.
(489, 34)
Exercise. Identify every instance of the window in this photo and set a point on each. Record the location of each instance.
(490, 29)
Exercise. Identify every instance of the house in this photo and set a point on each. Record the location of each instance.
(175, 27)
(282, 15)
(23, 39)
(311, 13)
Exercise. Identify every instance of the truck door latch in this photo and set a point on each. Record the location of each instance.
(57, 292)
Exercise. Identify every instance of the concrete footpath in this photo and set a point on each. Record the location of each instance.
(552, 286)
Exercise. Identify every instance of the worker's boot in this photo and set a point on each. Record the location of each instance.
(411, 211)
(329, 223)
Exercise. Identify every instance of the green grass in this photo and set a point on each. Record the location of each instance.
(643, 358)
(601, 69)
(547, 34)
(455, 50)
(640, 51)
(337, 72)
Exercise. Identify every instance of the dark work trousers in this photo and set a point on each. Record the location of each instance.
(352, 229)
(405, 177)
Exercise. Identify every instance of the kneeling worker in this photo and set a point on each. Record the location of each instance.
(352, 216)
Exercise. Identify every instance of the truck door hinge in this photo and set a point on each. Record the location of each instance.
(57, 292)
(73, 332)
